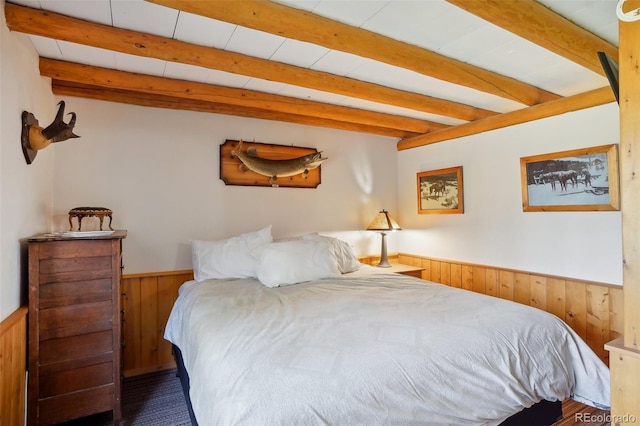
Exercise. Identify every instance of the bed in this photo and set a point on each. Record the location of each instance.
(365, 347)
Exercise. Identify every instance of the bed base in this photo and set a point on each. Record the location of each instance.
(544, 413)
(182, 374)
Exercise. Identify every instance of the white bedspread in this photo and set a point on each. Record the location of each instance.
(371, 349)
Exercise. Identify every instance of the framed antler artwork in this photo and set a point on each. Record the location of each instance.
(584, 179)
(440, 191)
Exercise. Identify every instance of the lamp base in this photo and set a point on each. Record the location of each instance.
(384, 261)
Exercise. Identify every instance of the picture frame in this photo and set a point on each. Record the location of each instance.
(232, 171)
(584, 179)
(440, 191)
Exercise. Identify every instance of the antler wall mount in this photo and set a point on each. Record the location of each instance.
(35, 138)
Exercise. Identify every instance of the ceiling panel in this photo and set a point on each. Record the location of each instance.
(598, 16)
(47, 47)
(354, 13)
(143, 16)
(222, 78)
(390, 109)
(472, 45)
(72, 52)
(140, 64)
(261, 85)
(310, 94)
(565, 79)
(254, 43)
(298, 53)
(89, 10)
(186, 72)
(428, 24)
(338, 63)
(203, 31)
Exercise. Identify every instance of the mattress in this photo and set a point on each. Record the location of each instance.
(373, 348)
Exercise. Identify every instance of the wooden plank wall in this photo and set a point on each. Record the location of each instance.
(594, 310)
(13, 368)
(147, 300)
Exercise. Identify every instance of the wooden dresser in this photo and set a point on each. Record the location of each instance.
(74, 327)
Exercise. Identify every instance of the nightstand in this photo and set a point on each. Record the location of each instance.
(413, 271)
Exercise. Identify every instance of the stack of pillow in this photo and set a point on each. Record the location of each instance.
(256, 255)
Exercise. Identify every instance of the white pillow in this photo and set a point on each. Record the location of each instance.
(346, 258)
(292, 262)
(235, 257)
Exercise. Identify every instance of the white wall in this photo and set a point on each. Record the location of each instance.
(25, 190)
(158, 170)
(493, 229)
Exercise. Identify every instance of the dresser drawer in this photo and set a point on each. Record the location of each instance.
(76, 379)
(71, 320)
(75, 264)
(74, 347)
(85, 269)
(74, 249)
(58, 409)
(74, 292)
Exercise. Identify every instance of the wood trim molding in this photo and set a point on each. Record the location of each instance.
(9, 322)
(158, 274)
(13, 367)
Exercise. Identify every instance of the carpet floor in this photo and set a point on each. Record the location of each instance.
(156, 399)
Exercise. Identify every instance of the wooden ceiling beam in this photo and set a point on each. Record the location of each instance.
(64, 88)
(540, 25)
(301, 25)
(60, 27)
(78, 73)
(589, 99)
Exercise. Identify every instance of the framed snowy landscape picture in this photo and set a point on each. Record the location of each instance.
(578, 180)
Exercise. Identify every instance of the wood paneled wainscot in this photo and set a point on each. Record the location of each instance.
(13, 367)
(147, 300)
(594, 310)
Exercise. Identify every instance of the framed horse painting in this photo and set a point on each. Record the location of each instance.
(440, 191)
(584, 179)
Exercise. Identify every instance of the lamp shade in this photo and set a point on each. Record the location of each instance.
(383, 222)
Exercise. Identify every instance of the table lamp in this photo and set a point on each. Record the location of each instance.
(383, 223)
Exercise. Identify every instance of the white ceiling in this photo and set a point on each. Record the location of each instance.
(432, 24)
